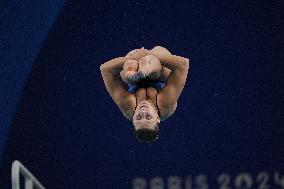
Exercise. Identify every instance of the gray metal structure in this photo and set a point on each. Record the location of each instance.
(30, 181)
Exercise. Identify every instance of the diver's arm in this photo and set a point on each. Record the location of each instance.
(172, 62)
(179, 69)
(116, 88)
(114, 66)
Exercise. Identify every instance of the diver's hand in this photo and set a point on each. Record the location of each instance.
(137, 54)
(129, 73)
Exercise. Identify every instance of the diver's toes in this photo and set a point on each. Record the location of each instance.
(147, 72)
(130, 78)
(145, 75)
(142, 75)
(134, 78)
(139, 74)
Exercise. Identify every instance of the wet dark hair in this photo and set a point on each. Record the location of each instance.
(146, 135)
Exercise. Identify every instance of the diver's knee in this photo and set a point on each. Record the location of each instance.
(161, 49)
(151, 59)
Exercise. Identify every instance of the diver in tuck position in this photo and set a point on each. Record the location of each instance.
(145, 85)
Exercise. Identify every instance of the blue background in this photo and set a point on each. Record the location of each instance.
(66, 129)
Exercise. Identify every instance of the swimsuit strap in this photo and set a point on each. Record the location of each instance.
(136, 103)
(159, 113)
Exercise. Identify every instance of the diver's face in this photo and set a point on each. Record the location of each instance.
(145, 116)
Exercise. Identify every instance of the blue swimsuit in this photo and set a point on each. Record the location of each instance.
(145, 83)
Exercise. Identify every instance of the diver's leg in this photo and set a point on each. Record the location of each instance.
(149, 66)
(129, 73)
(164, 72)
(159, 49)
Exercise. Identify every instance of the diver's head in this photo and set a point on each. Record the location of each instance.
(145, 121)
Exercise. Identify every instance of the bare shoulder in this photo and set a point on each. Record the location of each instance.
(117, 90)
(166, 106)
(174, 86)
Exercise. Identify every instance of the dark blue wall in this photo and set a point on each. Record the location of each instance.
(68, 131)
(23, 27)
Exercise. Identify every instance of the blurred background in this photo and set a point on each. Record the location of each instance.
(57, 118)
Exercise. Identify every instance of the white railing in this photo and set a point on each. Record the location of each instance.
(30, 180)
